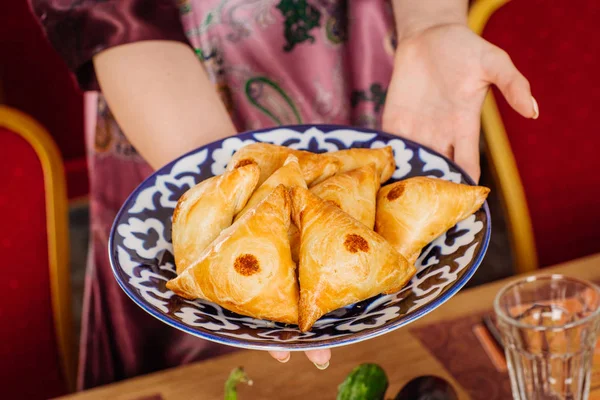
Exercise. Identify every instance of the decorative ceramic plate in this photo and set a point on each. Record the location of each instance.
(142, 259)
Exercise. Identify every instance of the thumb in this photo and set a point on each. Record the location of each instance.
(499, 69)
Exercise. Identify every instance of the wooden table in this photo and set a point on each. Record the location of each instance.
(399, 353)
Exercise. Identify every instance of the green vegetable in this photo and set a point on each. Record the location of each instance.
(236, 376)
(365, 382)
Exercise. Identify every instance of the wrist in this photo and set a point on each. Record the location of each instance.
(412, 18)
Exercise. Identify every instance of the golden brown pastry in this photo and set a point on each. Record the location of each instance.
(383, 159)
(270, 157)
(289, 175)
(248, 269)
(341, 260)
(208, 208)
(294, 236)
(413, 212)
(355, 192)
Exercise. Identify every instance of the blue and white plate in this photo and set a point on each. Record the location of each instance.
(142, 259)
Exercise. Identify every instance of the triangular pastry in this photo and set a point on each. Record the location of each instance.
(383, 158)
(289, 175)
(413, 212)
(270, 157)
(248, 269)
(355, 192)
(208, 208)
(341, 260)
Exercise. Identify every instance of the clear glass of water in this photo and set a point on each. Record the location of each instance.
(549, 325)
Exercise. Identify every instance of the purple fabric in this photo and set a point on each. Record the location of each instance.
(273, 62)
(79, 29)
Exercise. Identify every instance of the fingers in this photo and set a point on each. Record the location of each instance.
(500, 70)
(319, 357)
(281, 356)
(466, 155)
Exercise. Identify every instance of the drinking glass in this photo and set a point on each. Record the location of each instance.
(549, 325)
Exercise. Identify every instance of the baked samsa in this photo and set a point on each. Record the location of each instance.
(270, 157)
(383, 158)
(289, 175)
(208, 208)
(355, 192)
(341, 260)
(413, 212)
(248, 269)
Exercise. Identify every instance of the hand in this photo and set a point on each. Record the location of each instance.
(318, 357)
(440, 79)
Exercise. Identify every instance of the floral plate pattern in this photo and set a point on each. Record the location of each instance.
(141, 255)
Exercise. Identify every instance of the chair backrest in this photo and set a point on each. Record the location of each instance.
(547, 169)
(36, 351)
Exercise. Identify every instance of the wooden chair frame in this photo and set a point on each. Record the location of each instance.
(57, 230)
(502, 160)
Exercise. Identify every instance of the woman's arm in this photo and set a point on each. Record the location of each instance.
(161, 98)
(136, 52)
(413, 16)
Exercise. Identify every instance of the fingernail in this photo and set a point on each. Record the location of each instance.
(536, 108)
(322, 366)
(284, 360)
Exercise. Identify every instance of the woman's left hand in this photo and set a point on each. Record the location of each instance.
(440, 79)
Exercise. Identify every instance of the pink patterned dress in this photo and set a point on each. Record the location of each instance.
(274, 62)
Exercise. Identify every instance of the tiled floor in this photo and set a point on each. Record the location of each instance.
(496, 265)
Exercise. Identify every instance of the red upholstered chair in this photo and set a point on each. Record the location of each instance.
(547, 170)
(36, 349)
